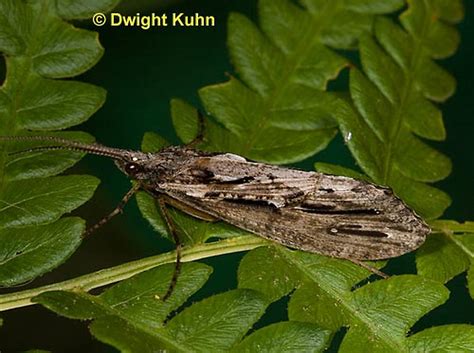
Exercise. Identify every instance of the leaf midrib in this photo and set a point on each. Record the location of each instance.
(20, 82)
(460, 245)
(51, 237)
(213, 320)
(348, 306)
(58, 101)
(114, 312)
(406, 91)
(292, 63)
(9, 205)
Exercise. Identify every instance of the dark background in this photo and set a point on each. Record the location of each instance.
(142, 70)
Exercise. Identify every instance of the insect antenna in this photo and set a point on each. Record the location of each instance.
(64, 144)
(97, 149)
(368, 267)
(40, 149)
(94, 148)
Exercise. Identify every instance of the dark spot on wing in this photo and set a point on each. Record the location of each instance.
(327, 190)
(352, 226)
(398, 227)
(296, 194)
(253, 202)
(330, 209)
(202, 175)
(242, 180)
(316, 208)
(212, 194)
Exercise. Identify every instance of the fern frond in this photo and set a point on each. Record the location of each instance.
(132, 317)
(448, 252)
(378, 315)
(395, 102)
(39, 46)
(278, 111)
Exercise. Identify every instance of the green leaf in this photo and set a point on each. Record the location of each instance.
(131, 314)
(329, 294)
(185, 120)
(73, 305)
(470, 280)
(276, 271)
(38, 45)
(72, 9)
(42, 164)
(279, 111)
(375, 7)
(35, 201)
(449, 11)
(266, 270)
(32, 251)
(393, 106)
(443, 339)
(137, 299)
(447, 252)
(348, 20)
(439, 38)
(286, 337)
(441, 259)
(277, 145)
(128, 338)
(53, 105)
(218, 322)
(333, 169)
(148, 207)
(152, 142)
(12, 27)
(65, 51)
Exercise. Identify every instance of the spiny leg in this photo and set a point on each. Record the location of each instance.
(201, 129)
(115, 212)
(171, 227)
(369, 268)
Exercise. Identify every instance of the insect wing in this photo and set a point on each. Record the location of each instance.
(331, 215)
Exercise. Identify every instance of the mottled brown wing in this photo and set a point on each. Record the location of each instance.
(331, 215)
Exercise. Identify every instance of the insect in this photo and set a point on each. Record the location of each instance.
(331, 215)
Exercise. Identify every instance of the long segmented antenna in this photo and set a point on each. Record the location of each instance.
(93, 148)
(117, 154)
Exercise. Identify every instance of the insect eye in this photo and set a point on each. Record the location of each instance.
(133, 168)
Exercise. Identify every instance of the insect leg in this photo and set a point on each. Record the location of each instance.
(171, 227)
(115, 212)
(368, 267)
(188, 209)
(201, 129)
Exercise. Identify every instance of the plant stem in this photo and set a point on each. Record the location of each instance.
(121, 272)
